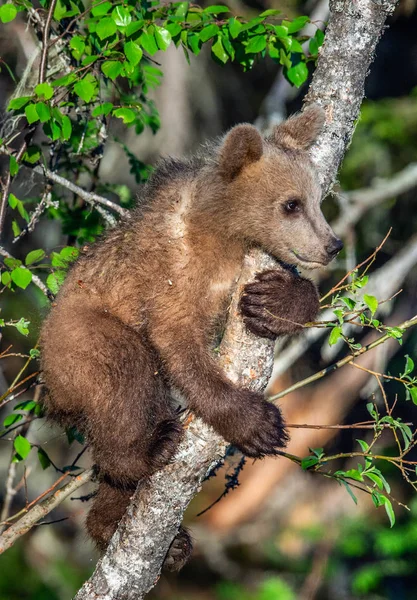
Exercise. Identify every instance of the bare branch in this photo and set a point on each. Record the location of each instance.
(356, 203)
(45, 42)
(89, 197)
(8, 538)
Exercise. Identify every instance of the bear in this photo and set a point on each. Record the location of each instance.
(141, 309)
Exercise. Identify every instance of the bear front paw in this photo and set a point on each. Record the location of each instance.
(278, 302)
(261, 430)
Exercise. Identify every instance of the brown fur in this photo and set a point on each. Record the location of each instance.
(139, 311)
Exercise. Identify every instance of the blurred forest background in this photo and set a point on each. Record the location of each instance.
(283, 534)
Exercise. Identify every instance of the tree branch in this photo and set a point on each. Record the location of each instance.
(132, 563)
(89, 197)
(8, 538)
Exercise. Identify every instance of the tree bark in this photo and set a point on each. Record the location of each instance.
(133, 561)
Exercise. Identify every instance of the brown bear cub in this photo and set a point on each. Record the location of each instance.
(139, 311)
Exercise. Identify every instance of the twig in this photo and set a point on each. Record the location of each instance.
(9, 537)
(45, 42)
(341, 363)
(6, 188)
(357, 202)
(46, 202)
(89, 197)
(10, 491)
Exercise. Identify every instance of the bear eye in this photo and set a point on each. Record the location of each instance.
(293, 205)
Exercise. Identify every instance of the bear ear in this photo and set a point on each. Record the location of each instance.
(242, 146)
(300, 131)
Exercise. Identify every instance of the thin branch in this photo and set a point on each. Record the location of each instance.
(89, 197)
(45, 42)
(38, 512)
(6, 188)
(344, 361)
(357, 202)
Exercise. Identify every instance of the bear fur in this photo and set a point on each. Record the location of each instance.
(140, 310)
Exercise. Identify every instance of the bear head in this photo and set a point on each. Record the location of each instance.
(274, 193)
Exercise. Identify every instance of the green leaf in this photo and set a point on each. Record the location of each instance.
(66, 127)
(26, 405)
(102, 109)
(413, 394)
(371, 302)
(22, 325)
(313, 46)
(13, 166)
(101, 9)
(68, 254)
(162, 37)
(12, 419)
(77, 43)
(44, 112)
(31, 114)
(21, 277)
(348, 489)
(354, 474)
(55, 280)
(334, 336)
(52, 130)
(409, 365)
(234, 28)
(18, 103)
(182, 9)
(64, 81)
(350, 303)
(216, 9)
(281, 32)
(133, 52)
(22, 447)
(389, 510)
(148, 43)
(308, 462)
(208, 32)
(297, 24)
(363, 445)
(44, 90)
(10, 262)
(376, 479)
(85, 89)
(5, 278)
(219, 51)
(106, 28)
(15, 228)
(43, 458)
(121, 16)
(298, 74)
(126, 114)
(256, 44)
(134, 27)
(34, 256)
(270, 12)
(112, 68)
(8, 12)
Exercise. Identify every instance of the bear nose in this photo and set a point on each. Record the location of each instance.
(334, 247)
